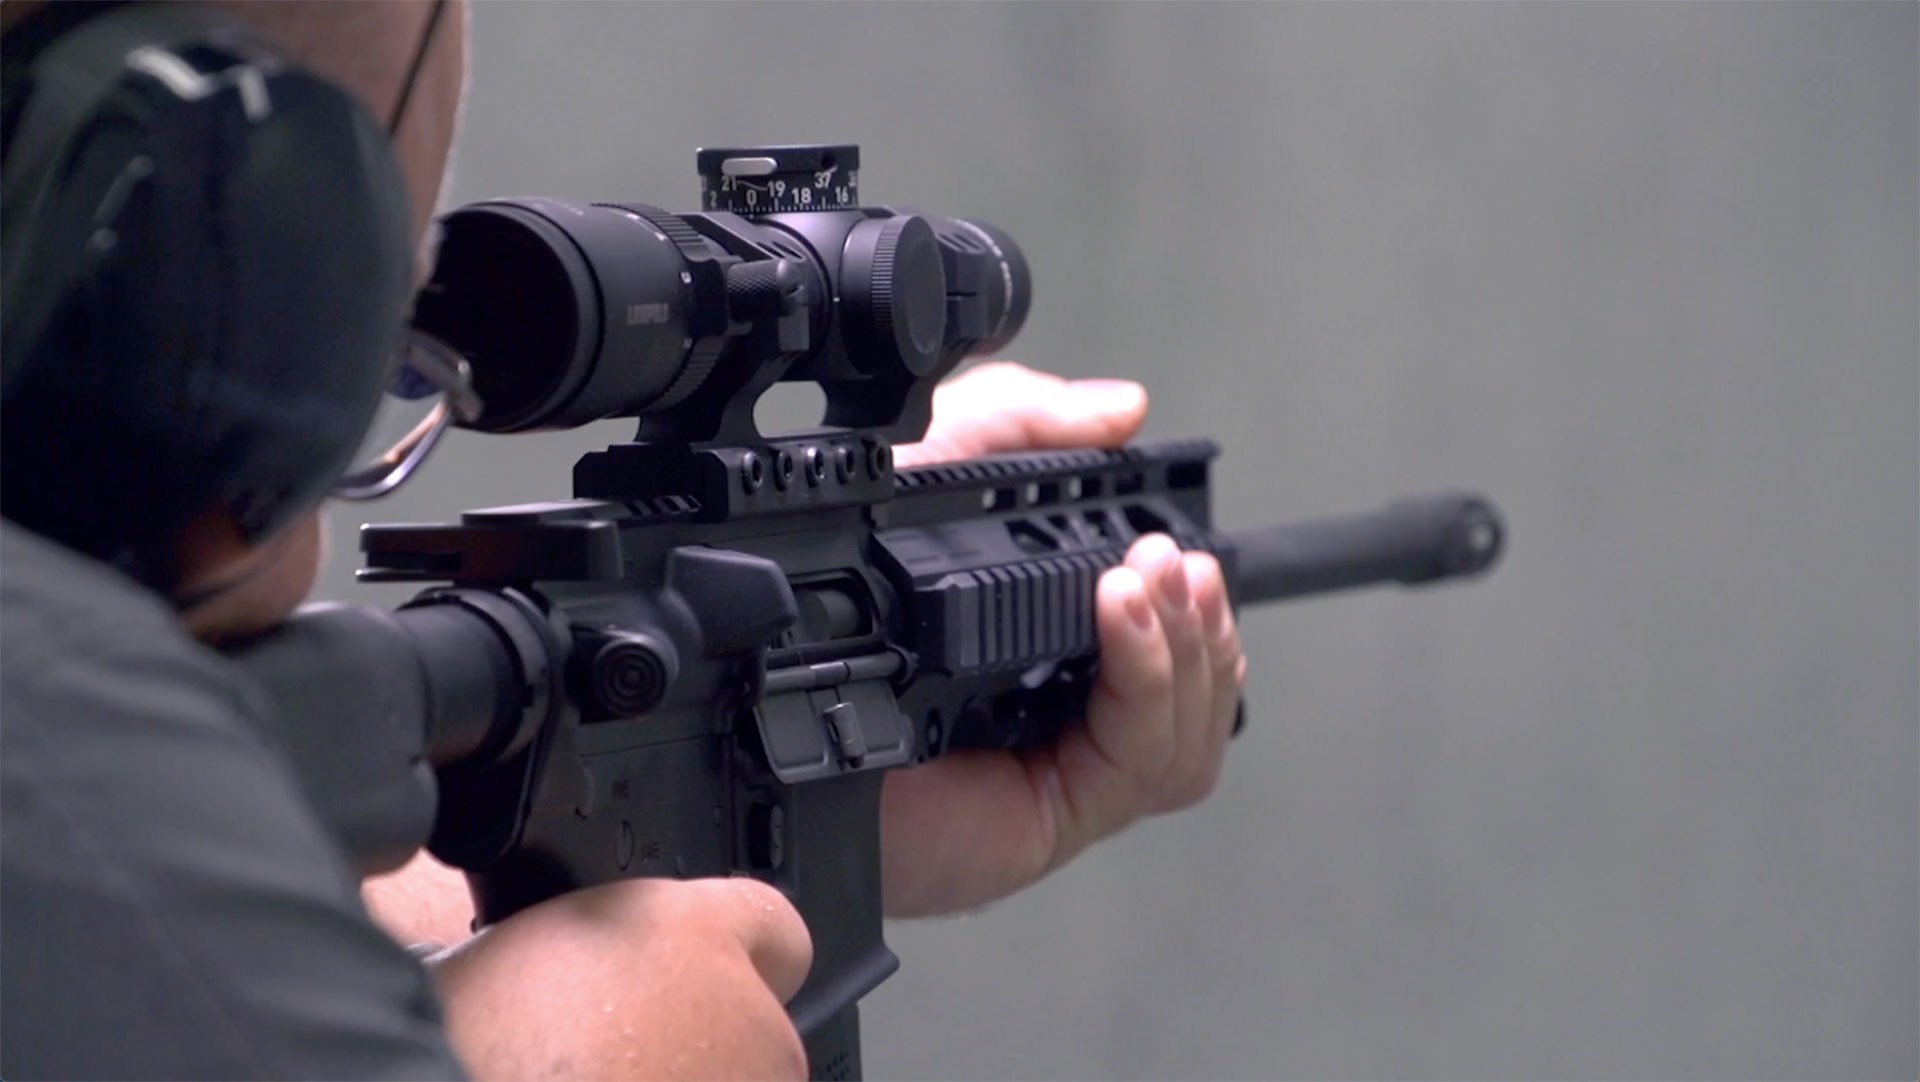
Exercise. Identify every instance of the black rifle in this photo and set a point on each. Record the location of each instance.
(705, 663)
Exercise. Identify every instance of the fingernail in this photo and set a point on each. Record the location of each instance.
(1174, 585)
(1139, 611)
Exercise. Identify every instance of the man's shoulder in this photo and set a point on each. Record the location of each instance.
(107, 706)
(163, 878)
(52, 598)
(85, 650)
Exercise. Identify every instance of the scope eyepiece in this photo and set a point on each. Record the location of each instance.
(567, 312)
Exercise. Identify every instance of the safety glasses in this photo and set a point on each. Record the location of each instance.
(431, 388)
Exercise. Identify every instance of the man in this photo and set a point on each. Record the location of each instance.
(172, 906)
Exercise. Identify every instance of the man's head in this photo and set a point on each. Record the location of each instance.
(370, 48)
(404, 63)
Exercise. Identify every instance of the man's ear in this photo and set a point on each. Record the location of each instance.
(13, 11)
(231, 590)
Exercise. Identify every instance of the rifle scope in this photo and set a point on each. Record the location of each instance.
(574, 312)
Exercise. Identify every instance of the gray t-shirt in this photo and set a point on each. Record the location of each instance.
(170, 905)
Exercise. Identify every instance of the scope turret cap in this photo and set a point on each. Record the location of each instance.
(895, 290)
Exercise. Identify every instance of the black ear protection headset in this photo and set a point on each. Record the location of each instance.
(206, 261)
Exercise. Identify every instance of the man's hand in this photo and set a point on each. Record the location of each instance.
(643, 978)
(639, 979)
(974, 826)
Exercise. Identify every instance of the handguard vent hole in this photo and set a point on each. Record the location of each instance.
(1145, 521)
(1032, 540)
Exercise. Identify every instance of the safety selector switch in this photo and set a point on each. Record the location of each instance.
(843, 725)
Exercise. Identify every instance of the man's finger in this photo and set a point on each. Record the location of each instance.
(1129, 715)
(1175, 593)
(1224, 661)
(1105, 768)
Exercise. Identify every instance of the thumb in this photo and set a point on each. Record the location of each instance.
(1008, 407)
(769, 927)
(1085, 413)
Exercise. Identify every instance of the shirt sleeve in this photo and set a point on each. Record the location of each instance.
(169, 905)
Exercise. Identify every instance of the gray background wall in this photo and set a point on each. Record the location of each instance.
(1643, 804)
